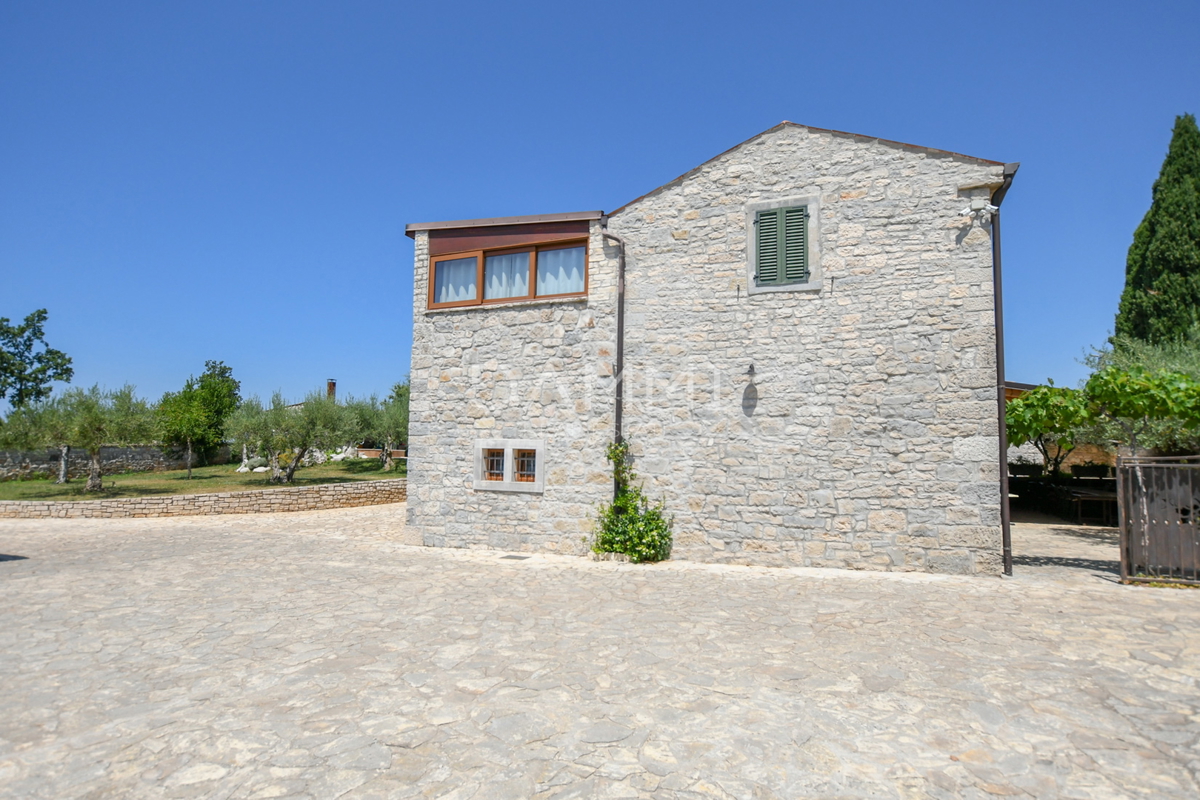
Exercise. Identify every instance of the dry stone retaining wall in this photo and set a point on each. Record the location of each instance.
(27, 463)
(258, 501)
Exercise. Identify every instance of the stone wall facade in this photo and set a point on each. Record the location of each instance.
(257, 501)
(540, 370)
(850, 424)
(866, 436)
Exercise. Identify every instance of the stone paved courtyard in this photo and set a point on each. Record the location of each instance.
(319, 655)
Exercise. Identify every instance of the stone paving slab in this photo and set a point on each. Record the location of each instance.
(317, 655)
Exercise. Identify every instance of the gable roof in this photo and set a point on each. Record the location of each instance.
(787, 124)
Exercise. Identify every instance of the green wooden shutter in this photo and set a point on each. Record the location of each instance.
(782, 246)
(795, 245)
(767, 223)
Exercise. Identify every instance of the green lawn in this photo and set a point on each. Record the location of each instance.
(223, 478)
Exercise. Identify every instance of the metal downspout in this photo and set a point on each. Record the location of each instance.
(619, 368)
(1010, 170)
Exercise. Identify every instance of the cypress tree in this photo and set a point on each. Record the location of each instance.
(1161, 300)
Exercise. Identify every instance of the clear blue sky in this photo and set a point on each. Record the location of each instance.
(192, 181)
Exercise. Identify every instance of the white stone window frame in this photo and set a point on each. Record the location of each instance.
(510, 484)
(815, 280)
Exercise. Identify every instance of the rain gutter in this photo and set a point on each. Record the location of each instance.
(1010, 170)
(619, 367)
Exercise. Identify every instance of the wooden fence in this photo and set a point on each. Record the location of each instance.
(1159, 501)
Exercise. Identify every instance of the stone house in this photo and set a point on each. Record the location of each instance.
(803, 358)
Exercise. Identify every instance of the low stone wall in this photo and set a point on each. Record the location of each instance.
(258, 501)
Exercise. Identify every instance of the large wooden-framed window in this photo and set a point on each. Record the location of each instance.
(529, 272)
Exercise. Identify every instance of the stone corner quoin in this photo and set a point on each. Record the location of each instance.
(865, 436)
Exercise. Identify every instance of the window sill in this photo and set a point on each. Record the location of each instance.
(541, 301)
(812, 287)
(529, 487)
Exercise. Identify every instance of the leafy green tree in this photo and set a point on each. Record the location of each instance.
(38, 425)
(630, 524)
(1161, 300)
(219, 393)
(1050, 417)
(26, 373)
(1134, 399)
(1167, 435)
(98, 418)
(184, 419)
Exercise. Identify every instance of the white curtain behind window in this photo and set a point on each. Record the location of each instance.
(506, 276)
(454, 280)
(560, 271)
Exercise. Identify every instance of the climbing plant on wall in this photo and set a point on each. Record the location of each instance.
(631, 524)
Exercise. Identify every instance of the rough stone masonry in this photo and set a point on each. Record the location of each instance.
(850, 422)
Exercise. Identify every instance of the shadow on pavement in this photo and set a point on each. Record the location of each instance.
(1106, 537)
(4, 557)
(1041, 540)
(1094, 564)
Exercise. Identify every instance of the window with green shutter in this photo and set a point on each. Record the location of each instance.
(781, 236)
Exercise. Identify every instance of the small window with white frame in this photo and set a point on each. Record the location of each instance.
(510, 465)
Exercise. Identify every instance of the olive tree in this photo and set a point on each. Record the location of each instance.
(316, 424)
(242, 428)
(38, 425)
(384, 424)
(287, 433)
(101, 417)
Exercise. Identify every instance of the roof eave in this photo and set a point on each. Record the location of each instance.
(411, 229)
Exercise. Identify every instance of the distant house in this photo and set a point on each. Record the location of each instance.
(1013, 390)
(803, 357)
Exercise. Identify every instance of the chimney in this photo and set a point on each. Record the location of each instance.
(331, 388)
